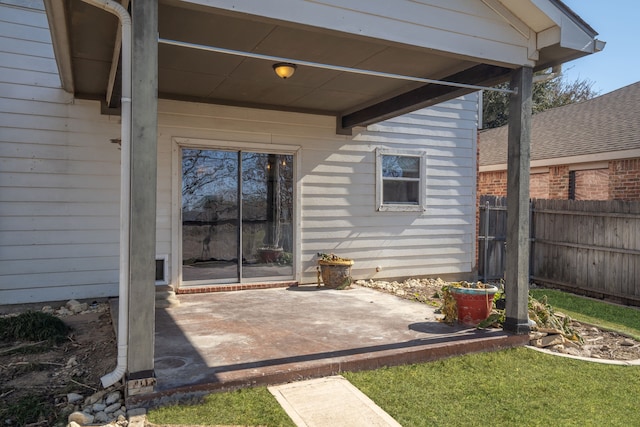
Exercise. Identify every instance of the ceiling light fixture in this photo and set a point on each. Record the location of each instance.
(284, 70)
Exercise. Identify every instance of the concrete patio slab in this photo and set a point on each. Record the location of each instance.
(226, 340)
(330, 402)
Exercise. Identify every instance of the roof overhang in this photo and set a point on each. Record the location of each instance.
(476, 42)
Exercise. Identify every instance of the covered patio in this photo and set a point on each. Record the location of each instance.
(359, 62)
(223, 340)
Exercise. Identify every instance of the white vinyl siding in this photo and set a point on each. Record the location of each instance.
(59, 180)
(59, 174)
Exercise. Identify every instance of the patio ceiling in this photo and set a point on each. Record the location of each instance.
(89, 71)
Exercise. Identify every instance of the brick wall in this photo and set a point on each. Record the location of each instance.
(539, 186)
(592, 184)
(624, 182)
(492, 183)
(621, 181)
(559, 182)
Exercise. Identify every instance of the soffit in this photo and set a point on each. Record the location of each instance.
(204, 76)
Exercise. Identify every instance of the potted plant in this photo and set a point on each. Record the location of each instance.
(270, 253)
(467, 302)
(335, 271)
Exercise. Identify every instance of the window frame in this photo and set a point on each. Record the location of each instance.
(422, 175)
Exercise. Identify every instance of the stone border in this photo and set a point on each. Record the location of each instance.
(635, 362)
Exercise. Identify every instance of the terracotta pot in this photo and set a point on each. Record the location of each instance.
(335, 274)
(474, 304)
(269, 255)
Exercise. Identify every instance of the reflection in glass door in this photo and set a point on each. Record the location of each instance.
(237, 216)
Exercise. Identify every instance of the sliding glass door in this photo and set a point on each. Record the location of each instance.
(237, 216)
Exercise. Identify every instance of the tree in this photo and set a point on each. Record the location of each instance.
(547, 93)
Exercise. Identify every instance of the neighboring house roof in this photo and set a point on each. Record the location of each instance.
(606, 124)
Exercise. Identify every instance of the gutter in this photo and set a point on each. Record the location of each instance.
(125, 189)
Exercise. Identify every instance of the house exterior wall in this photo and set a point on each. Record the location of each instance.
(619, 181)
(592, 184)
(624, 182)
(60, 173)
(338, 183)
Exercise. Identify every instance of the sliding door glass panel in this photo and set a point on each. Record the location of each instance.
(267, 213)
(210, 212)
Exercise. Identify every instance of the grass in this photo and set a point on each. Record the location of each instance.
(251, 407)
(610, 316)
(504, 388)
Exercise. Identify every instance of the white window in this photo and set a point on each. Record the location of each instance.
(400, 180)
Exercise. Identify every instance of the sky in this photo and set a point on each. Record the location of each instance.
(618, 24)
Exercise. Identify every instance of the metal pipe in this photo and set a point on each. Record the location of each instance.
(326, 66)
(125, 189)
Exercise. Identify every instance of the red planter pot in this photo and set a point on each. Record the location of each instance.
(474, 305)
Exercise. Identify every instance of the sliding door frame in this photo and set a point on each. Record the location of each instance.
(180, 143)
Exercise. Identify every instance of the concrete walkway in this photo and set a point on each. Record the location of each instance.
(330, 402)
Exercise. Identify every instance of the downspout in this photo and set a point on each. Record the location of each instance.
(125, 189)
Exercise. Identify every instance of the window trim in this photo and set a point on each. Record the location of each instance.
(399, 207)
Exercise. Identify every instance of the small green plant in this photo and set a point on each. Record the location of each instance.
(332, 258)
(449, 308)
(33, 326)
(286, 258)
(28, 410)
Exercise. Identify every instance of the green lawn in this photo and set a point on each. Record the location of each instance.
(517, 387)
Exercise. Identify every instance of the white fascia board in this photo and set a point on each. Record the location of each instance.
(571, 160)
(572, 35)
(60, 39)
(410, 23)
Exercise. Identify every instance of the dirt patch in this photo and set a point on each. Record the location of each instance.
(598, 343)
(43, 375)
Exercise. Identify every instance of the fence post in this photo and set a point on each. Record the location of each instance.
(485, 258)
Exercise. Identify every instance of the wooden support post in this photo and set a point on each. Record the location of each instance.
(144, 105)
(518, 163)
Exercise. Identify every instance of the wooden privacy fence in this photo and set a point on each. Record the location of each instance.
(588, 247)
(492, 237)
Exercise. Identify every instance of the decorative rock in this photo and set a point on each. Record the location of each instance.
(537, 335)
(96, 397)
(47, 309)
(81, 418)
(548, 341)
(63, 311)
(98, 407)
(101, 417)
(628, 342)
(76, 306)
(120, 414)
(113, 407)
(112, 398)
(74, 397)
(73, 424)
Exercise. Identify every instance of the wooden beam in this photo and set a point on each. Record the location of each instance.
(422, 97)
(142, 235)
(518, 164)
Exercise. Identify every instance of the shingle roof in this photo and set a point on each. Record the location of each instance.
(610, 122)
